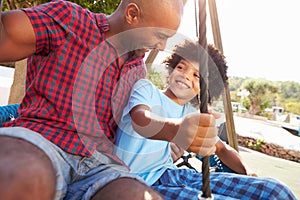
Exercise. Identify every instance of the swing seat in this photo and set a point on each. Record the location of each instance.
(193, 161)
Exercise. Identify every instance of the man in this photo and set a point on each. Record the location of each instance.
(81, 66)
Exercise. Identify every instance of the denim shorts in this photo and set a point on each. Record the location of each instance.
(78, 177)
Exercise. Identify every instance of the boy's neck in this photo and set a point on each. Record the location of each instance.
(172, 96)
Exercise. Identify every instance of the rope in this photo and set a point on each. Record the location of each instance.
(206, 191)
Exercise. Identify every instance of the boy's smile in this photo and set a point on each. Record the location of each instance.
(183, 82)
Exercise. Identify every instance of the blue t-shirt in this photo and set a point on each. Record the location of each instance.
(145, 157)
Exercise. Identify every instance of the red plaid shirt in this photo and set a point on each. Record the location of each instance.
(76, 89)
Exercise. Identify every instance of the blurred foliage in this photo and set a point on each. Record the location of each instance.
(260, 96)
(257, 145)
(156, 78)
(266, 93)
(97, 6)
(16, 4)
(293, 106)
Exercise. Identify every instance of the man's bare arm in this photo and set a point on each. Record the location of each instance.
(17, 38)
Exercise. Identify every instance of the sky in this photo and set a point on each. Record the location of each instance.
(260, 38)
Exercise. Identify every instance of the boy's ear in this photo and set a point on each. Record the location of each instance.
(132, 13)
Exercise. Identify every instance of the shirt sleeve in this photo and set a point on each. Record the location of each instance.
(51, 23)
(141, 93)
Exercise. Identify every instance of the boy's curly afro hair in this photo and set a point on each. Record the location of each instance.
(217, 67)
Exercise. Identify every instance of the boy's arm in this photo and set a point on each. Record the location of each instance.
(17, 38)
(231, 158)
(152, 126)
(195, 132)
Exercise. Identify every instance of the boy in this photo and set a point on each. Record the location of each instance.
(225, 159)
(144, 145)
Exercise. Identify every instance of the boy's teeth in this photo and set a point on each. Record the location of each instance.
(182, 84)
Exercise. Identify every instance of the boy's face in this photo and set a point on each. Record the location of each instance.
(184, 81)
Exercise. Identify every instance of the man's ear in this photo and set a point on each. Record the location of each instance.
(132, 13)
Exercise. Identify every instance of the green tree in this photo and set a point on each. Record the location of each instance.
(261, 94)
(235, 83)
(293, 106)
(290, 89)
(16, 4)
(287, 96)
(156, 78)
(98, 6)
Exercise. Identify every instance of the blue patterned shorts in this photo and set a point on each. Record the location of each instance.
(186, 184)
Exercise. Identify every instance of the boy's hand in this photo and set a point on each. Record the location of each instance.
(176, 151)
(197, 133)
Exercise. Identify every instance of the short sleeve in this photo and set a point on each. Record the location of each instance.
(51, 23)
(141, 93)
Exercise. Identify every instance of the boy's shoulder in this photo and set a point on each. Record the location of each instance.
(146, 88)
(143, 83)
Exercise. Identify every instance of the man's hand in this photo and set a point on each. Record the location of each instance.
(197, 133)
